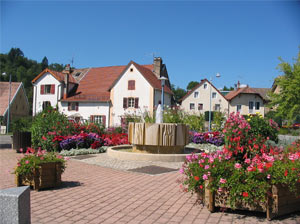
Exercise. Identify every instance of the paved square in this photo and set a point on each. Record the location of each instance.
(96, 194)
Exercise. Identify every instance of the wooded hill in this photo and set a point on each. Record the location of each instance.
(23, 69)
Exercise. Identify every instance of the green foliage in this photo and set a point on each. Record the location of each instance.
(49, 120)
(148, 118)
(262, 128)
(194, 121)
(22, 124)
(287, 102)
(218, 121)
(30, 161)
(178, 93)
(173, 115)
(191, 85)
(225, 88)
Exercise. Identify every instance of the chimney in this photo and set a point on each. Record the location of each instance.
(238, 85)
(67, 69)
(157, 64)
(66, 89)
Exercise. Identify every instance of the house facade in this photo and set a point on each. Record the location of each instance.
(19, 105)
(198, 99)
(248, 100)
(244, 100)
(104, 94)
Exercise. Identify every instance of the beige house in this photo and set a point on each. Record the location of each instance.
(197, 100)
(248, 100)
(19, 106)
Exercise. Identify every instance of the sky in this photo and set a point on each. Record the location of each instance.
(240, 40)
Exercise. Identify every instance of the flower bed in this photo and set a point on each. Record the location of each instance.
(215, 138)
(246, 172)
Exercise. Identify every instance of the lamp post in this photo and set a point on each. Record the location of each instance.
(210, 96)
(7, 122)
(163, 82)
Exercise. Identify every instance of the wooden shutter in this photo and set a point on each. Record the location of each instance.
(131, 85)
(125, 102)
(42, 89)
(52, 90)
(103, 120)
(76, 106)
(136, 103)
(69, 106)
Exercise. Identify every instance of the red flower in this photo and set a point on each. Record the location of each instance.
(196, 178)
(44, 138)
(286, 173)
(245, 194)
(201, 187)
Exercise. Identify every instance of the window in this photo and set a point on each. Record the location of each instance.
(238, 108)
(131, 69)
(77, 74)
(131, 85)
(192, 106)
(251, 105)
(46, 104)
(217, 107)
(73, 106)
(99, 119)
(196, 94)
(205, 86)
(47, 89)
(257, 106)
(200, 106)
(214, 95)
(130, 102)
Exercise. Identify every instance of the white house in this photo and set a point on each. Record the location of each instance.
(103, 94)
(197, 100)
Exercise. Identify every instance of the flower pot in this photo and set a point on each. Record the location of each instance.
(281, 202)
(21, 140)
(47, 175)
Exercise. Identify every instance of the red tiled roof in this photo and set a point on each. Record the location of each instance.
(4, 94)
(247, 90)
(97, 82)
(58, 75)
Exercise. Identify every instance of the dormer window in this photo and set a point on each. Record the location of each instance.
(77, 74)
(131, 84)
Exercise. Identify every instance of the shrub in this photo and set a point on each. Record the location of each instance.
(215, 138)
(194, 121)
(22, 124)
(173, 115)
(218, 121)
(82, 140)
(48, 127)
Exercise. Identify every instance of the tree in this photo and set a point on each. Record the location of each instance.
(191, 85)
(14, 53)
(287, 102)
(44, 63)
(178, 93)
(228, 89)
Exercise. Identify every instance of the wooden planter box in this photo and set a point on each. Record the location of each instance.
(21, 140)
(281, 202)
(47, 175)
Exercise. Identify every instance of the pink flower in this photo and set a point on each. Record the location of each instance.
(268, 176)
(247, 161)
(19, 164)
(222, 181)
(44, 138)
(21, 150)
(206, 167)
(237, 166)
(205, 177)
(180, 171)
(220, 189)
(42, 158)
(26, 161)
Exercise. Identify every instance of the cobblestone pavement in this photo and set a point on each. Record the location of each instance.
(96, 194)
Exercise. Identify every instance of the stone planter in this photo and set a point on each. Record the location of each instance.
(281, 202)
(47, 175)
(21, 140)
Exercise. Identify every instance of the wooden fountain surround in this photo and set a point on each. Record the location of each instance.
(164, 138)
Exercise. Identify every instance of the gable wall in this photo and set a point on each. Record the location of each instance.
(38, 99)
(203, 98)
(120, 90)
(243, 100)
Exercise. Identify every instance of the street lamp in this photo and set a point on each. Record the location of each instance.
(163, 82)
(7, 122)
(209, 115)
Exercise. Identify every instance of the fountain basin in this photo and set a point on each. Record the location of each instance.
(117, 153)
